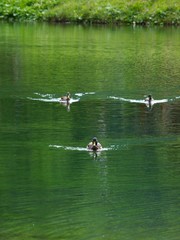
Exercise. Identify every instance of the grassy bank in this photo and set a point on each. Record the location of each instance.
(93, 11)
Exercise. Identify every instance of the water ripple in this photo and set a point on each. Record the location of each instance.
(80, 148)
(143, 101)
(50, 98)
(82, 94)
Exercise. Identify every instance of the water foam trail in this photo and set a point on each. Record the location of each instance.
(70, 101)
(79, 148)
(44, 95)
(68, 148)
(44, 99)
(82, 94)
(50, 98)
(139, 101)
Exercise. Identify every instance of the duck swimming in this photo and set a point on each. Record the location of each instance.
(66, 98)
(149, 99)
(94, 145)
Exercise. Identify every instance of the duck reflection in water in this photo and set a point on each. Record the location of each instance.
(66, 104)
(95, 154)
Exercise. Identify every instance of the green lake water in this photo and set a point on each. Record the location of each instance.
(51, 187)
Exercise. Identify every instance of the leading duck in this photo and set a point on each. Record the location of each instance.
(66, 98)
(94, 145)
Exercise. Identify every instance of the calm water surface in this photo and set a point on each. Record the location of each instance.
(51, 187)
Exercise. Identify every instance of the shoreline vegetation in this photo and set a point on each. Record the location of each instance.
(140, 12)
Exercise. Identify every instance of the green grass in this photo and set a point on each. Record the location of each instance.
(93, 11)
(26, 9)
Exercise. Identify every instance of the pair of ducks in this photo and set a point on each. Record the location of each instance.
(67, 98)
(94, 145)
(149, 98)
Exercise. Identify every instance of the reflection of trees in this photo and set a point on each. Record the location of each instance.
(129, 119)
